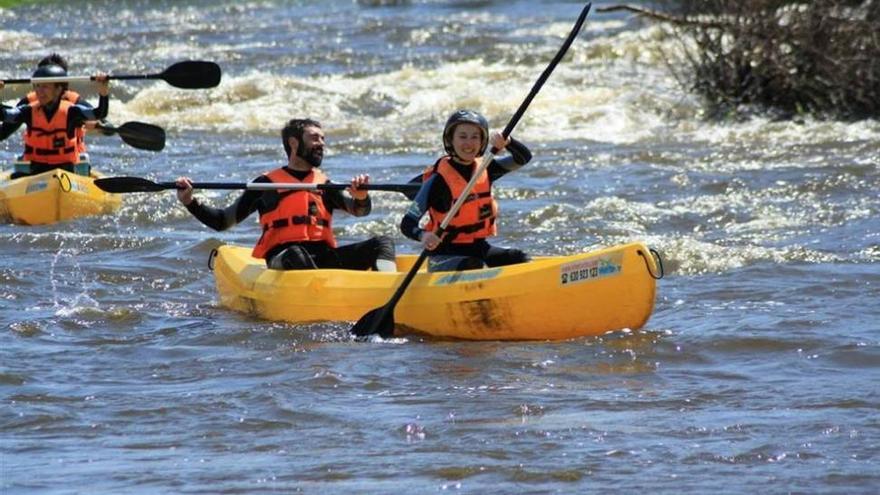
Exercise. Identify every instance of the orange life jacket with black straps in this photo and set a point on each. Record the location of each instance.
(73, 97)
(47, 141)
(297, 216)
(476, 217)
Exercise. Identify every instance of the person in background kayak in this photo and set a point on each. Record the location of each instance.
(464, 245)
(297, 225)
(56, 119)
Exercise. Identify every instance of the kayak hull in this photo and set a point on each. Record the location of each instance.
(550, 298)
(53, 196)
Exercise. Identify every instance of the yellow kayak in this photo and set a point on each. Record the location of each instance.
(53, 196)
(550, 298)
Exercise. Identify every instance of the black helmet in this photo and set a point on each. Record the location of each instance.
(50, 70)
(465, 117)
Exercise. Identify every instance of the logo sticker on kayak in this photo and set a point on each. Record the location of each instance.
(78, 186)
(590, 269)
(467, 276)
(37, 186)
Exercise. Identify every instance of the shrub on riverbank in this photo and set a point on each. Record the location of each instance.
(12, 3)
(792, 57)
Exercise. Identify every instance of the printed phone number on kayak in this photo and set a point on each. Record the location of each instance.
(588, 270)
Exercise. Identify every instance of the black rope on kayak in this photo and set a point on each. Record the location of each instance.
(212, 258)
(657, 258)
(61, 182)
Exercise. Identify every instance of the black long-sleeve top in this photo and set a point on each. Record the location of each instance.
(253, 200)
(435, 193)
(13, 117)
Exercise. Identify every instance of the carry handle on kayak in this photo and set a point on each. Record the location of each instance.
(189, 74)
(381, 320)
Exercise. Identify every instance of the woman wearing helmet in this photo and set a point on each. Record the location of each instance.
(55, 117)
(464, 245)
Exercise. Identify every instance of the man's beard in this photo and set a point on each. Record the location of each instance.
(313, 157)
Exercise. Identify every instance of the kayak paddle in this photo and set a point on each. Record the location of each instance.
(138, 184)
(189, 74)
(381, 320)
(138, 135)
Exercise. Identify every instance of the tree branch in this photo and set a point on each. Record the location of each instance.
(659, 16)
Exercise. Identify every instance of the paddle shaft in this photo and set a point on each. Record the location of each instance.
(546, 74)
(138, 184)
(189, 74)
(62, 79)
(382, 314)
(292, 186)
(48, 80)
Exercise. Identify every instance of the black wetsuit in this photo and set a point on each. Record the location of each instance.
(77, 115)
(308, 254)
(435, 193)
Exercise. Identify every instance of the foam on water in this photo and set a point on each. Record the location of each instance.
(614, 87)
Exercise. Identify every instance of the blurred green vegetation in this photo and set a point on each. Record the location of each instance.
(13, 3)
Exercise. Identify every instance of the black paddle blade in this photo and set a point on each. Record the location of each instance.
(378, 321)
(128, 185)
(142, 136)
(192, 74)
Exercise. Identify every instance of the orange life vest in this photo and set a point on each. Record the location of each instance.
(298, 215)
(73, 97)
(47, 141)
(476, 217)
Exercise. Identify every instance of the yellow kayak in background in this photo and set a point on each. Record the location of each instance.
(53, 196)
(550, 298)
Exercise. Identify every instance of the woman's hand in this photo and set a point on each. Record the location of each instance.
(430, 241)
(498, 141)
